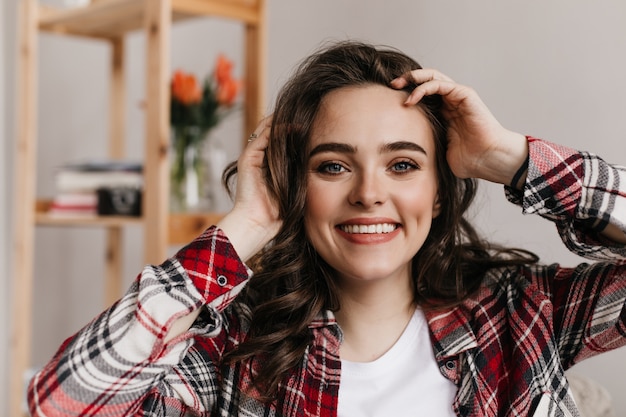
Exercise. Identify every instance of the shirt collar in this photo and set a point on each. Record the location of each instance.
(324, 319)
(451, 331)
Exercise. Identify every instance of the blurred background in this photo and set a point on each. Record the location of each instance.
(551, 69)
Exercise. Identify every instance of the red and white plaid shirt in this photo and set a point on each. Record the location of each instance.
(506, 348)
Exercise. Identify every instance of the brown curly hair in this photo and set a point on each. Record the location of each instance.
(292, 284)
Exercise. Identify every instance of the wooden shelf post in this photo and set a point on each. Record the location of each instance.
(157, 141)
(117, 117)
(24, 232)
(254, 77)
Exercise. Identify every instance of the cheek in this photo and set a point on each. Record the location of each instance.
(421, 200)
(322, 206)
(317, 203)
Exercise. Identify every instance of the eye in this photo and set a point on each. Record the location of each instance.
(404, 166)
(332, 168)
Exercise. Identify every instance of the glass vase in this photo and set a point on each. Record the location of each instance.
(187, 169)
(215, 163)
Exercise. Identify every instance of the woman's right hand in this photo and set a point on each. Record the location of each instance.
(478, 145)
(253, 220)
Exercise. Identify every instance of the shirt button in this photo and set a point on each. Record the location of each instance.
(450, 365)
(222, 280)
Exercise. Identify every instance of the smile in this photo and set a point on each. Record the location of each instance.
(368, 228)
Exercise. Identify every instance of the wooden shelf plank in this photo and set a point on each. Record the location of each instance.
(246, 11)
(114, 18)
(48, 219)
(43, 217)
(182, 227)
(104, 19)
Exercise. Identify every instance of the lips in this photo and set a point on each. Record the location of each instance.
(369, 230)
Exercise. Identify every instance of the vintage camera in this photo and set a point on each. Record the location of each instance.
(119, 201)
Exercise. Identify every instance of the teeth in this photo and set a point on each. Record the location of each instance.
(371, 228)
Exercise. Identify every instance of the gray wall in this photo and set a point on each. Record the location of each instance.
(550, 69)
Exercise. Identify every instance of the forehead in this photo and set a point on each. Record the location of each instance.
(370, 113)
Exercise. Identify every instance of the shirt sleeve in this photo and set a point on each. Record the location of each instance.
(112, 364)
(579, 192)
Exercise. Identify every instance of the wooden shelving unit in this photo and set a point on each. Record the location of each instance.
(110, 21)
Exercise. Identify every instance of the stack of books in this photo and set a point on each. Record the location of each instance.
(79, 186)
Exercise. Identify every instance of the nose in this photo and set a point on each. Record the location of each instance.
(368, 190)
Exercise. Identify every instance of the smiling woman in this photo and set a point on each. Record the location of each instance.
(346, 134)
(347, 280)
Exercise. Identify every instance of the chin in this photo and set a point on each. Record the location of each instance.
(371, 274)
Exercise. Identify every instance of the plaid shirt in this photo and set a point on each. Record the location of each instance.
(506, 348)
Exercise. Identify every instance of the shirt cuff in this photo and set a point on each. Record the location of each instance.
(214, 267)
(554, 182)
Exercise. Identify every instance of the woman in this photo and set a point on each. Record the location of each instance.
(367, 291)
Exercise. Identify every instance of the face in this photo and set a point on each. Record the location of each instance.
(371, 183)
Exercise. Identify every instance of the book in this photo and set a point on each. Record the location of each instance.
(90, 187)
(90, 176)
(105, 165)
(72, 204)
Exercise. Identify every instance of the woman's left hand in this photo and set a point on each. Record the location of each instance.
(478, 145)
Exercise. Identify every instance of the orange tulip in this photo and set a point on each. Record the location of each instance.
(185, 88)
(223, 69)
(227, 91)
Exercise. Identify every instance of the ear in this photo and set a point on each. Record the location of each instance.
(436, 206)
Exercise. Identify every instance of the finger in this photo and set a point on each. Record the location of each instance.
(259, 139)
(419, 76)
(255, 150)
(399, 82)
(261, 130)
(449, 90)
(428, 74)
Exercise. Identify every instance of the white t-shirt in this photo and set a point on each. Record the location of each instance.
(405, 381)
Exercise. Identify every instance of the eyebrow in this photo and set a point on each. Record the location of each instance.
(385, 148)
(402, 145)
